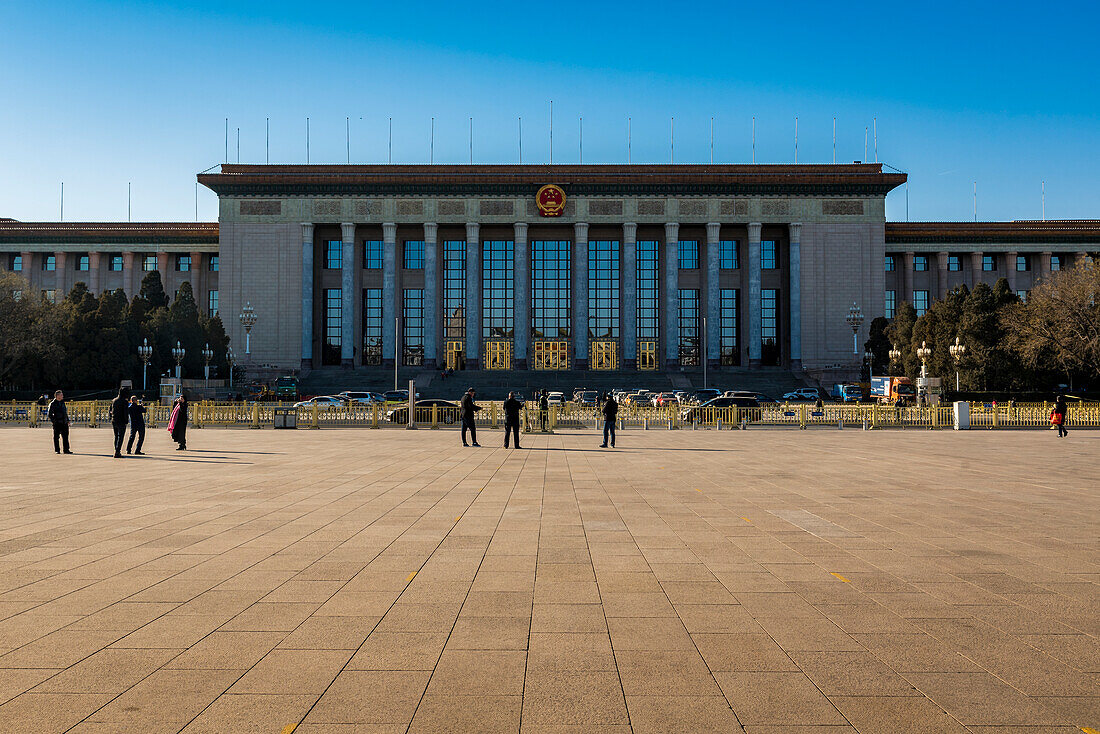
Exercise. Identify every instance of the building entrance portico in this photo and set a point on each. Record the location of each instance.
(455, 357)
(605, 355)
(551, 355)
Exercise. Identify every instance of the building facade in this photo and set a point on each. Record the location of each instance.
(622, 268)
(631, 268)
(54, 256)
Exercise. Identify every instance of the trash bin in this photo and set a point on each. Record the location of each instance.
(286, 417)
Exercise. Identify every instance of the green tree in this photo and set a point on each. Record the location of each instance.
(183, 320)
(878, 344)
(900, 334)
(152, 290)
(28, 333)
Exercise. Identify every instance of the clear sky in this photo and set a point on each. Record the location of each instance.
(98, 94)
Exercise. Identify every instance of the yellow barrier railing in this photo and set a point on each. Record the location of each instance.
(569, 416)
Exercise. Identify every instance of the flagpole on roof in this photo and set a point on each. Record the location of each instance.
(551, 132)
(628, 140)
(834, 140)
(754, 139)
(520, 120)
(267, 141)
(712, 140)
(307, 141)
(226, 158)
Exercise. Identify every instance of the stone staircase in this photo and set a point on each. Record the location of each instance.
(490, 385)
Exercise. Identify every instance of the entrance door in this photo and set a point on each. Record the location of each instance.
(455, 355)
(498, 355)
(605, 355)
(647, 355)
(551, 355)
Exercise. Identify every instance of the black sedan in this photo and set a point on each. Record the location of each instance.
(448, 411)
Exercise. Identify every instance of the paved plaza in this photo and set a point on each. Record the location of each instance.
(387, 581)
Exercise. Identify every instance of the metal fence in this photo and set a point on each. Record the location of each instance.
(569, 416)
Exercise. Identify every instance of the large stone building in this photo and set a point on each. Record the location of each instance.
(635, 268)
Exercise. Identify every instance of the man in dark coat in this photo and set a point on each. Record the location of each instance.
(544, 408)
(610, 410)
(468, 410)
(511, 419)
(59, 419)
(137, 425)
(120, 416)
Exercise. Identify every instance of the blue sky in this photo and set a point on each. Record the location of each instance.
(101, 94)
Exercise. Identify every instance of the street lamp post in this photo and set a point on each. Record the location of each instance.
(895, 356)
(178, 352)
(248, 320)
(924, 354)
(868, 358)
(207, 355)
(145, 352)
(855, 320)
(958, 351)
(229, 358)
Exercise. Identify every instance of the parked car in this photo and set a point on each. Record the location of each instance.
(325, 401)
(804, 393)
(702, 395)
(638, 399)
(696, 412)
(586, 397)
(554, 398)
(448, 411)
(361, 398)
(664, 399)
(397, 396)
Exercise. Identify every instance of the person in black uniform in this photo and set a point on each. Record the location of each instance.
(59, 419)
(468, 410)
(544, 409)
(137, 425)
(610, 410)
(511, 419)
(120, 416)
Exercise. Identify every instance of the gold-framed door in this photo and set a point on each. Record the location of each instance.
(605, 355)
(498, 355)
(647, 355)
(551, 355)
(455, 355)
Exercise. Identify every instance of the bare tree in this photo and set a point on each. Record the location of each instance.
(1058, 327)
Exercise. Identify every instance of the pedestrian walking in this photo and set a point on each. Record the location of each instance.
(511, 419)
(1058, 416)
(610, 411)
(137, 425)
(177, 423)
(59, 419)
(468, 408)
(120, 416)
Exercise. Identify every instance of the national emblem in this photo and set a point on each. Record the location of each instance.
(550, 200)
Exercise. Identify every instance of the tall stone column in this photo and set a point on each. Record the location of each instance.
(347, 293)
(59, 274)
(714, 301)
(796, 295)
(129, 283)
(473, 295)
(389, 293)
(94, 282)
(580, 295)
(943, 260)
(522, 310)
(755, 325)
(907, 277)
(1044, 264)
(672, 294)
(1010, 270)
(976, 273)
(28, 266)
(431, 293)
(163, 265)
(628, 298)
(197, 282)
(307, 295)
(1080, 259)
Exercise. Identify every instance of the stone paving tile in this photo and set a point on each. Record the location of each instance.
(864, 584)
